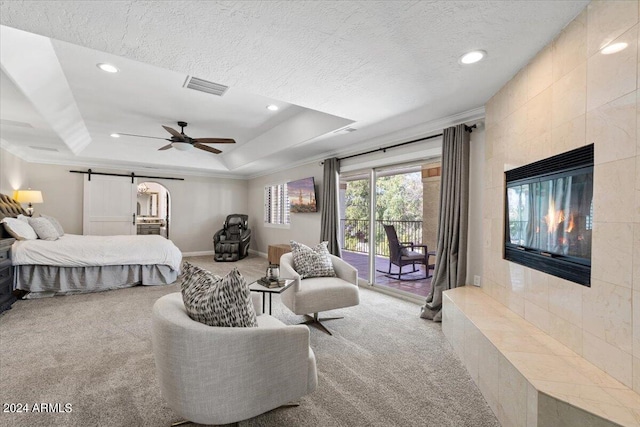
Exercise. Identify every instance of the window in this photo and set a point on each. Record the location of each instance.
(276, 205)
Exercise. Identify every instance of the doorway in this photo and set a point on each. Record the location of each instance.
(153, 208)
(403, 198)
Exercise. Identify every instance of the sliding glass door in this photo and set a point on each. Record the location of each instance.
(398, 204)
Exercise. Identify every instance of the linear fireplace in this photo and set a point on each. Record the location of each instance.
(549, 215)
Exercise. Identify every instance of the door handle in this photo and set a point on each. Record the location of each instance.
(134, 219)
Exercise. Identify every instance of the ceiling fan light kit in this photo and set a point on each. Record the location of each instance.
(183, 142)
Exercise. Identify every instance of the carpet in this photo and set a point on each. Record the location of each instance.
(384, 365)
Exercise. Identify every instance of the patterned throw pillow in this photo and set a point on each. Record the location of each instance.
(217, 301)
(55, 223)
(43, 228)
(19, 229)
(312, 262)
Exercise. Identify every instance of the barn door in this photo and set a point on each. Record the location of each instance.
(109, 205)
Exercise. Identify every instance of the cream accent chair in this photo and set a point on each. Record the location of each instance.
(315, 294)
(215, 375)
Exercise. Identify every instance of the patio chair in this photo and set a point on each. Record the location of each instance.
(405, 253)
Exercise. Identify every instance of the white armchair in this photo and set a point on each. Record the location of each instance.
(215, 375)
(316, 294)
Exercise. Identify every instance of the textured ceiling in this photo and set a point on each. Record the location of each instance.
(388, 65)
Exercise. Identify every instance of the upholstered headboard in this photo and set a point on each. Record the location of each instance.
(9, 207)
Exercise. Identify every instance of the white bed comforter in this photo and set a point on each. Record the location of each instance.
(72, 250)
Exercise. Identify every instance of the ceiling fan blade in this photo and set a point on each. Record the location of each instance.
(206, 148)
(143, 136)
(215, 140)
(166, 147)
(174, 132)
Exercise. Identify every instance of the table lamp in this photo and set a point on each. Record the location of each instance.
(28, 196)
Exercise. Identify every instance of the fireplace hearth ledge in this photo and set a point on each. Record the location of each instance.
(526, 376)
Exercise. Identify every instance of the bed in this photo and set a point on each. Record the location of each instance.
(79, 264)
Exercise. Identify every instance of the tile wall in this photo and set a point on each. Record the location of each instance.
(571, 95)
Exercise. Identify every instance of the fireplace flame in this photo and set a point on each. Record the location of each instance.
(553, 218)
(571, 223)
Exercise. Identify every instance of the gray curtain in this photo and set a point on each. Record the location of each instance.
(329, 221)
(451, 262)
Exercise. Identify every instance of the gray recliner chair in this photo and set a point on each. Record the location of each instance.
(217, 375)
(232, 242)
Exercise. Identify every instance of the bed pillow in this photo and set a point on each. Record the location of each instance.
(44, 228)
(312, 262)
(23, 218)
(55, 223)
(19, 229)
(217, 301)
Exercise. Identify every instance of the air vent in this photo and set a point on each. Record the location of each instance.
(33, 147)
(205, 86)
(15, 123)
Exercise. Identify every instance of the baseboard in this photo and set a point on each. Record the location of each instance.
(199, 253)
(406, 296)
(260, 254)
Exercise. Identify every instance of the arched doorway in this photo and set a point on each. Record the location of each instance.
(153, 209)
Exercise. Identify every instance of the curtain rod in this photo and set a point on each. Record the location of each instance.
(132, 175)
(384, 149)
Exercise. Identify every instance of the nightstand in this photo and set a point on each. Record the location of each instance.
(6, 275)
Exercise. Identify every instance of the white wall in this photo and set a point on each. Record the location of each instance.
(199, 205)
(475, 242)
(13, 174)
(305, 227)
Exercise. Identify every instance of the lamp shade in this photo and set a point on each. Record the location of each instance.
(28, 196)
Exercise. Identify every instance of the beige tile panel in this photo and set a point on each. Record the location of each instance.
(637, 215)
(490, 113)
(615, 75)
(552, 412)
(565, 300)
(569, 96)
(532, 406)
(489, 373)
(570, 47)
(540, 147)
(636, 256)
(625, 397)
(608, 313)
(636, 323)
(512, 395)
(539, 114)
(553, 344)
(636, 374)
(607, 20)
(612, 127)
(540, 72)
(564, 391)
(537, 288)
(596, 375)
(607, 357)
(517, 91)
(613, 192)
(472, 350)
(570, 135)
(536, 315)
(566, 332)
(611, 253)
(515, 341)
(544, 367)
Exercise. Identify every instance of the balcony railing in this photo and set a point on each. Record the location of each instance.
(355, 234)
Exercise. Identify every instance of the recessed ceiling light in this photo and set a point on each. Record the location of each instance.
(472, 57)
(272, 107)
(108, 68)
(613, 48)
(115, 135)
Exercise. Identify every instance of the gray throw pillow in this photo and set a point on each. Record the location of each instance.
(43, 228)
(217, 301)
(18, 229)
(55, 224)
(312, 262)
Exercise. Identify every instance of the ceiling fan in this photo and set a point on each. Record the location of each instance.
(182, 142)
